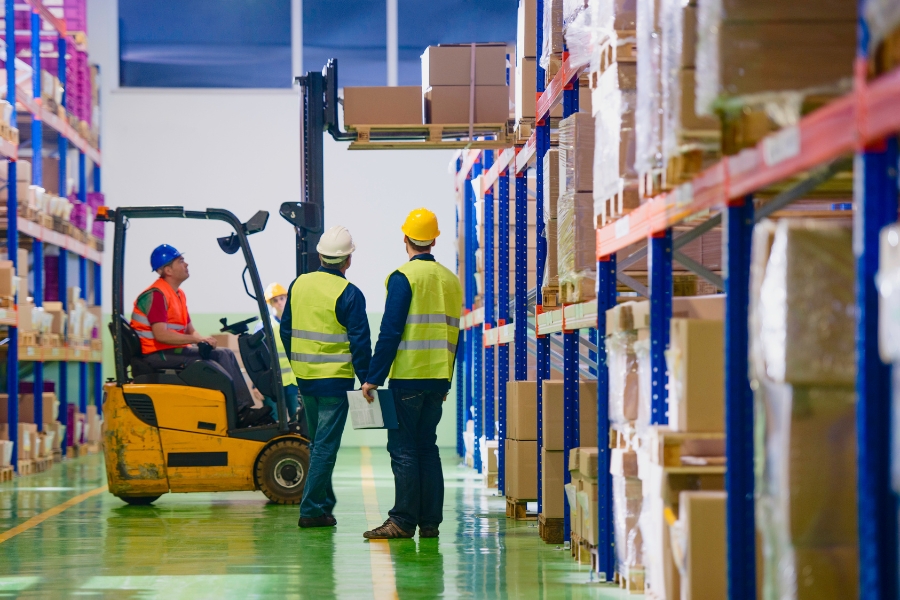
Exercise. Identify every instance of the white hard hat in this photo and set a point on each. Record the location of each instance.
(337, 243)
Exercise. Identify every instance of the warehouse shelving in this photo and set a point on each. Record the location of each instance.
(804, 155)
(88, 258)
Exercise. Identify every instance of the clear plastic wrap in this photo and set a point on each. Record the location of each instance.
(645, 405)
(622, 363)
(579, 32)
(806, 510)
(882, 17)
(576, 245)
(888, 282)
(648, 112)
(553, 31)
(807, 305)
(627, 500)
(607, 105)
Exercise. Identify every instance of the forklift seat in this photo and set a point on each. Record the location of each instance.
(201, 373)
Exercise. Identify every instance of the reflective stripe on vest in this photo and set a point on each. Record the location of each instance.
(320, 347)
(284, 363)
(176, 317)
(428, 344)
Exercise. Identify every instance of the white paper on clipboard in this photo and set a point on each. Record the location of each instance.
(364, 415)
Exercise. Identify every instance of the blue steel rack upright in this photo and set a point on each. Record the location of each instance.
(66, 134)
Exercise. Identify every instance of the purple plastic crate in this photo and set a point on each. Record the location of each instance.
(27, 387)
(79, 217)
(95, 200)
(97, 229)
(51, 275)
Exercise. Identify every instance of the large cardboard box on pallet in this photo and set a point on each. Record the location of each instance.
(399, 105)
(50, 407)
(521, 469)
(696, 365)
(704, 568)
(553, 414)
(450, 104)
(451, 65)
(521, 410)
(552, 482)
(526, 91)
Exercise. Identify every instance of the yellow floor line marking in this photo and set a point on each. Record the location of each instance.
(383, 583)
(38, 519)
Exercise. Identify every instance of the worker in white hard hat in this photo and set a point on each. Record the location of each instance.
(276, 298)
(325, 328)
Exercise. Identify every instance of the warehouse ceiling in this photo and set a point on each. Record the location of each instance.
(247, 43)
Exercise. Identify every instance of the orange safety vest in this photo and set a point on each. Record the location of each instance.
(176, 317)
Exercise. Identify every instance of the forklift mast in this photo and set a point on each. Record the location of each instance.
(318, 115)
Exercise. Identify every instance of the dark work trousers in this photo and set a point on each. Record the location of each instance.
(415, 460)
(178, 358)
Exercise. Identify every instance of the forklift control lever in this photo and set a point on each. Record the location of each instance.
(236, 328)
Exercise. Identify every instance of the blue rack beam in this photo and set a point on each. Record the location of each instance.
(739, 406)
(98, 301)
(12, 245)
(503, 309)
(37, 137)
(476, 338)
(606, 299)
(489, 301)
(63, 144)
(520, 357)
(660, 267)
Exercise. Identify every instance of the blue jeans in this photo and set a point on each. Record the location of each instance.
(415, 460)
(291, 402)
(325, 416)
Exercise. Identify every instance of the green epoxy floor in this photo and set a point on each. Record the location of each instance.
(235, 545)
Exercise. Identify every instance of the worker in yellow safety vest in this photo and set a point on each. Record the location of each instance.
(276, 297)
(325, 328)
(417, 349)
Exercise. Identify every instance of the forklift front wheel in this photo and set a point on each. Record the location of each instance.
(139, 500)
(282, 469)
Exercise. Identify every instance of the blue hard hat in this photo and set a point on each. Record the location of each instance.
(163, 255)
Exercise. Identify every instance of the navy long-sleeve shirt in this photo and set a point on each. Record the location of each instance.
(396, 309)
(350, 311)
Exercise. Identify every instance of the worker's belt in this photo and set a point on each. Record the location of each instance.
(427, 345)
(321, 358)
(334, 338)
(438, 318)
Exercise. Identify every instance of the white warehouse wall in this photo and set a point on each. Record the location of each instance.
(239, 150)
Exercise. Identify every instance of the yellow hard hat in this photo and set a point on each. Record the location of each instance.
(421, 226)
(275, 289)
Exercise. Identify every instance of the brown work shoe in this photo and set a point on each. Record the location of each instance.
(320, 521)
(388, 531)
(428, 532)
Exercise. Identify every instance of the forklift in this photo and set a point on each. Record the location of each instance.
(171, 430)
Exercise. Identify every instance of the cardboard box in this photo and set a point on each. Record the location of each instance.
(521, 469)
(449, 104)
(552, 26)
(7, 279)
(491, 452)
(551, 183)
(553, 414)
(551, 268)
(400, 105)
(50, 407)
(799, 10)
(526, 91)
(690, 120)
(710, 307)
(521, 410)
(451, 65)
(588, 462)
(526, 32)
(705, 556)
(25, 323)
(829, 572)
(228, 341)
(576, 236)
(696, 365)
(576, 153)
(623, 463)
(552, 492)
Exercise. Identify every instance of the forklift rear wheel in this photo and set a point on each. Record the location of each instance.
(281, 471)
(139, 500)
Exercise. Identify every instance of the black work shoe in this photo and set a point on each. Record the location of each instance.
(388, 531)
(428, 532)
(320, 521)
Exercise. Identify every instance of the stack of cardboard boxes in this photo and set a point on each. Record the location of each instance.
(526, 71)
(576, 243)
(550, 285)
(813, 43)
(7, 284)
(582, 494)
(553, 459)
(521, 441)
(803, 361)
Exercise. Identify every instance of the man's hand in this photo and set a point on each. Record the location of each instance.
(367, 392)
(258, 398)
(211, 341)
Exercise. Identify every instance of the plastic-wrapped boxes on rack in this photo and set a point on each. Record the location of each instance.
(582, 495)
(554, 42)
(812, 43)
(531, 276)
(576, 243)
(648, 110)
(627, 498)
(803, 361)
(622, 361)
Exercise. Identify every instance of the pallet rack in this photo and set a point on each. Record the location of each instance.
(864, 123)
(88, 258)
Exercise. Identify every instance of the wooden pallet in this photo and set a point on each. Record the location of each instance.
(42, 464)
(490, 480)
(7, 473)
(551, 529)
(678, 449)
(631, 580)
(51, 340)
(518, 510)
(581, 291)
(57, 455)
(429, 136)
(886, 55)
(25, 467)
(522, 131)
(580, 549)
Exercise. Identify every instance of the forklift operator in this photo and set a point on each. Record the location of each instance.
(162, 323)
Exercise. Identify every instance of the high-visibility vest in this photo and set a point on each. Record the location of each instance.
(176, 317)
(287, 373)
(428, 345)
(320, 347)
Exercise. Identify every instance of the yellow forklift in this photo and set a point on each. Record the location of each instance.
(176, 430)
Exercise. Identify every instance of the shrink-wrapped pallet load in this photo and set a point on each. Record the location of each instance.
(804, 367)
(576, 234)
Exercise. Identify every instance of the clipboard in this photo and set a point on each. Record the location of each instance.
(380, 414)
